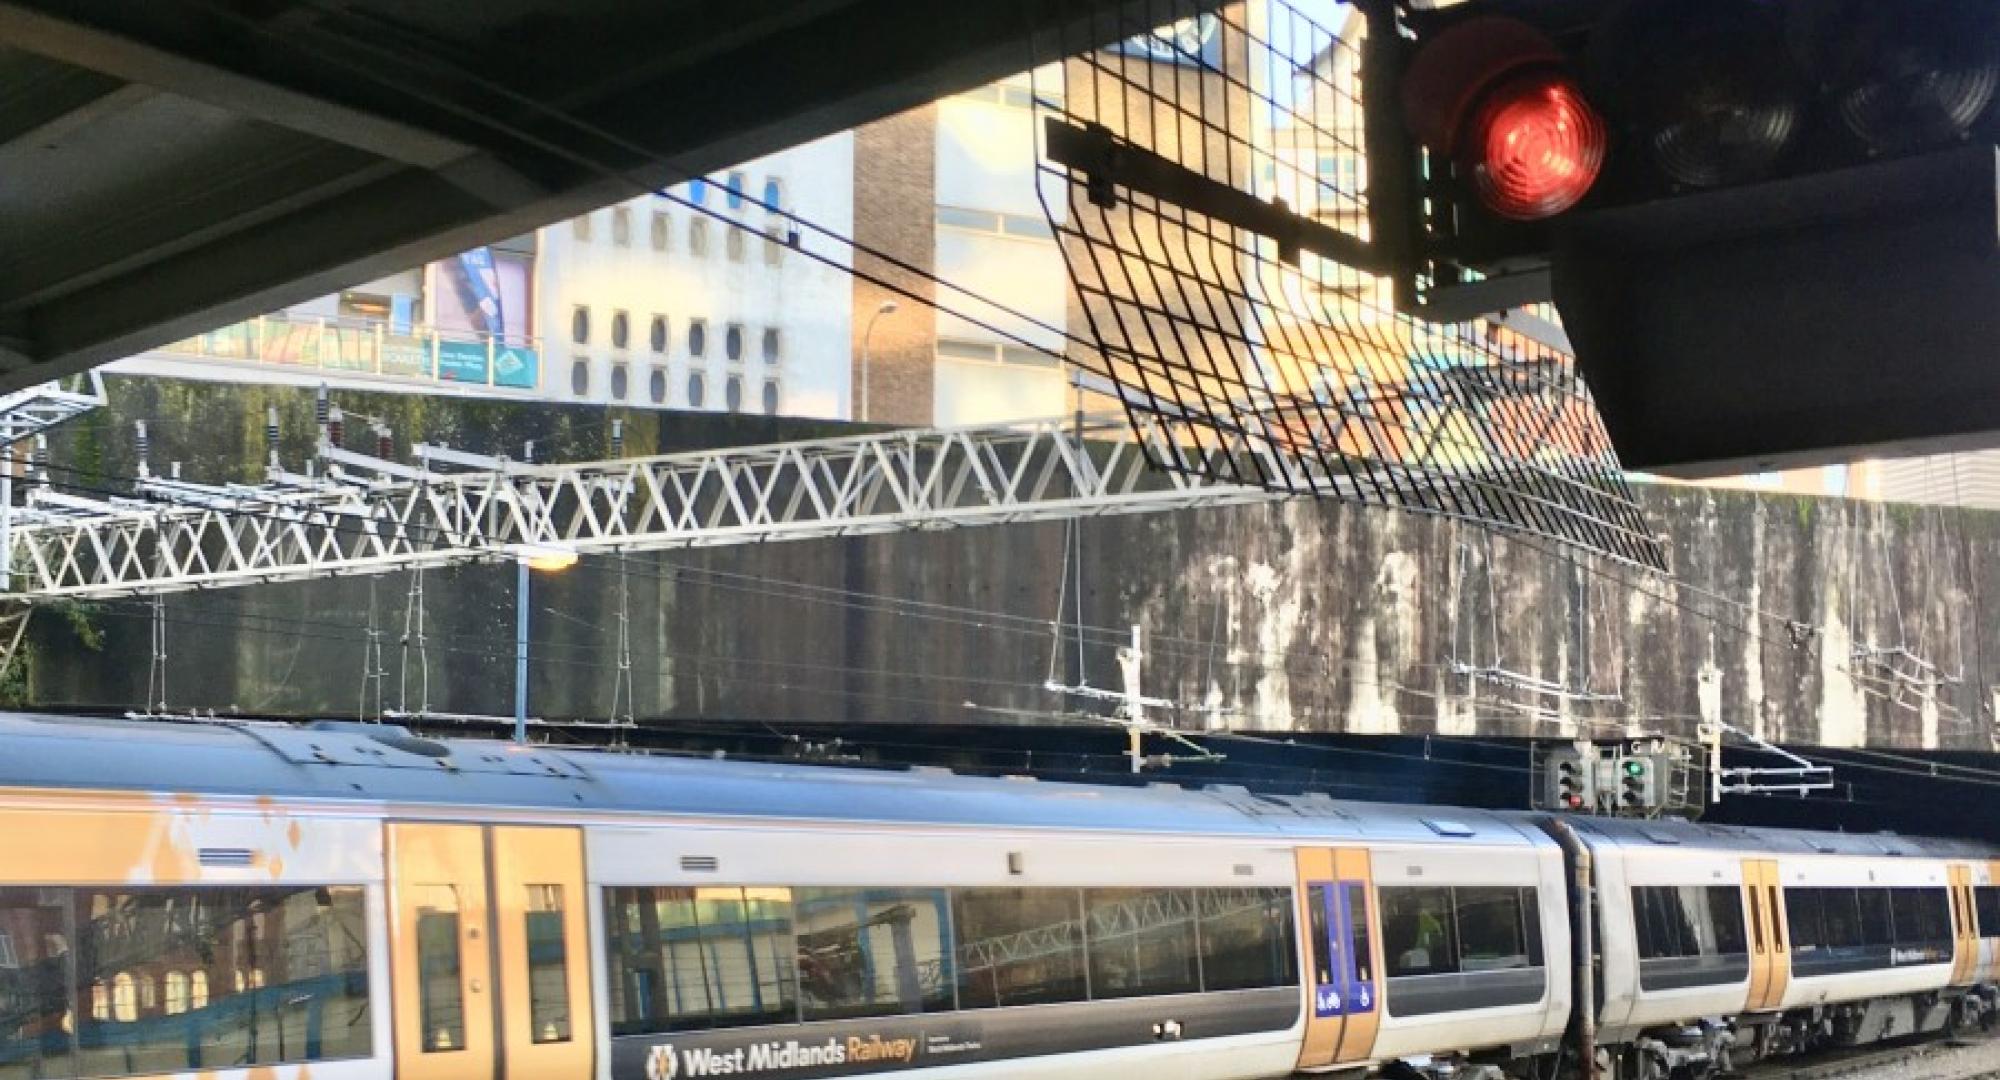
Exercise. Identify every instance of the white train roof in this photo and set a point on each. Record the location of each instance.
(381, 764)
(1702, 836)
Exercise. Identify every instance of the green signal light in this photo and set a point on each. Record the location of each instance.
(1635, 768)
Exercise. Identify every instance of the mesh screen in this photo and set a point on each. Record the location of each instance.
(1208, 182)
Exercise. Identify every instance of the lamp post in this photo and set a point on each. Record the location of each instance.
(546, 558)
(887, 307)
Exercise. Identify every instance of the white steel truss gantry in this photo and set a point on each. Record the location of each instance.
(366, 515)
(32, 411)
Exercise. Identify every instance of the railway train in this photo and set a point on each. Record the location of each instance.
(340, 901)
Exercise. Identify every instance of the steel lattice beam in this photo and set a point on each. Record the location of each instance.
(401, 518)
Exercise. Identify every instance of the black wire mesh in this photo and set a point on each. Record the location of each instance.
(1251, 329)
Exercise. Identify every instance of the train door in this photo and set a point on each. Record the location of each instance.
(1770, 948)
(1989, 948)
(1965, 936)
(488, 939)
(1343, 958)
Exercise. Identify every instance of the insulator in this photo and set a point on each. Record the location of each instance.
(145, 445)
(617, 438)
(336, 426)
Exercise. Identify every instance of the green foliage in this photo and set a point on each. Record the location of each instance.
(81, 623)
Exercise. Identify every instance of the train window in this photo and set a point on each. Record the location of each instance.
(440, 991)
(1842, 923)
(993, 968)
(1142, 941)
(1675, 921)
(1823, 918)
(1873, 905)
(1725, 919)
(1805, 914)
(548, 965)
(1922, 920)
(1246, 938)
(35, 998)
(1363, 961)
(299, 956)
(686, 959)
(1417, 931)
(872, 952)
(1986, 905)
(1491, 933)
(1320, 935)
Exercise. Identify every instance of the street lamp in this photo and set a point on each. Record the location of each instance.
(887, 307)
(548, 559)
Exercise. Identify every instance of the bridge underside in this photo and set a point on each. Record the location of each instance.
(178, 164)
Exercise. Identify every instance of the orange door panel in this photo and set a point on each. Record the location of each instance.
(1343, 956)
(1965, 936)
(1770, 945)
(1356, 907)
(441, 952)
(1781, 936)
(1315, 934)
(543, 942)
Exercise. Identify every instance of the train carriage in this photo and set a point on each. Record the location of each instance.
(348, 901)
(265, 901)
(1778, 941)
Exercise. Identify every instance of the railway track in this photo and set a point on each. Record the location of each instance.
(1929, 1059)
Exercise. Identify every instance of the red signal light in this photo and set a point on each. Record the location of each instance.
(1534, 147)
(1492, 92)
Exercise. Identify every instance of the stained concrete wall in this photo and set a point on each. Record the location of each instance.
(1298, 616)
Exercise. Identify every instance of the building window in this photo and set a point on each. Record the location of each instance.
(1026, 226)
(620, 382)
(774, 193)
(771, 345)
(698, 191)
(697, 337)
(733, 244)
(697, 390)
(732, 341)
(621, 329)
(985, 352)
(580, 227)
(732, 393)
(657, 335)
(698, 237)
(656, 386)
(735, 195)
(771, 397)
(621, 226)
(774, 246)
(579, 325)
(663, 228)
(579, 378)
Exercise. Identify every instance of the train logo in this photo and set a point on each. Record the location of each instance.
(662, 1063)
